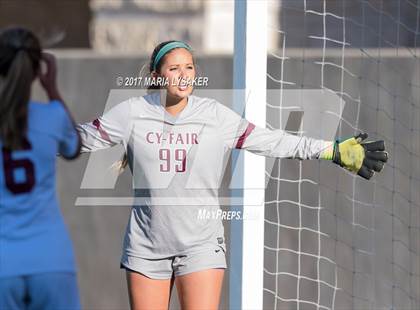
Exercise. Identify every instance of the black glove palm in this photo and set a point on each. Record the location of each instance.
(361, 158)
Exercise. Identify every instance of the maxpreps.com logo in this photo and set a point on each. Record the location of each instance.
(205, 214)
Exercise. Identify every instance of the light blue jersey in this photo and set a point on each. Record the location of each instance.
(33, 236)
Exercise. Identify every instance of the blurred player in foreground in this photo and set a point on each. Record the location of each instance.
(37, 268)
(175, 144)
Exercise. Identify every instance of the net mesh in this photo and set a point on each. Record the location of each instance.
(332, 239)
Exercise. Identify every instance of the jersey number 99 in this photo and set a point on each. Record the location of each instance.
(180, 158)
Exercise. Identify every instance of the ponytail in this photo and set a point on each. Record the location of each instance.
(15, 89)
(20, 54)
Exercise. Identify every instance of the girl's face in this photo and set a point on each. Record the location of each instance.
(179, 71)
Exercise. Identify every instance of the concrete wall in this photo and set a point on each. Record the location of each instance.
(62, 24)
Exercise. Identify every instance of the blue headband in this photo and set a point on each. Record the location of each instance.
(167, 48)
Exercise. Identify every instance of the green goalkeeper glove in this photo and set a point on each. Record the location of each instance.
(361, 158)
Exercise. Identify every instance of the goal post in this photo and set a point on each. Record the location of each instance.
(250, 86)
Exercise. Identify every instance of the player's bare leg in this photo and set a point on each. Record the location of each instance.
(200, 290)
(148, 294)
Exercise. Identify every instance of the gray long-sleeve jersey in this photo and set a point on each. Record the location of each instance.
(178, 163)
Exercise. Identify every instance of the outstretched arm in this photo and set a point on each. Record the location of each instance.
(278, 143)
(351, 154)
(239, 133)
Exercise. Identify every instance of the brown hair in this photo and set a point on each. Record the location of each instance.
(20, 55)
